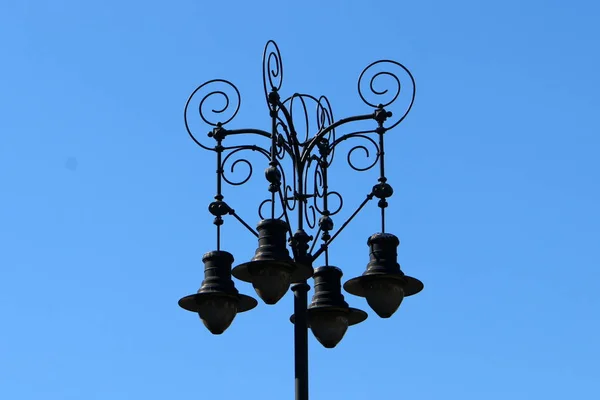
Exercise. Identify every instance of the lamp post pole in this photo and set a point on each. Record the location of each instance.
(308, 195)
(301, 341)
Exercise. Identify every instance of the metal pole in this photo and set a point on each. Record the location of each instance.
(301, 340)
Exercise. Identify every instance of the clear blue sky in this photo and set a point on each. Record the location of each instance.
(496, 172)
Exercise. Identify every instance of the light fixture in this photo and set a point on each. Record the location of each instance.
(300, 201)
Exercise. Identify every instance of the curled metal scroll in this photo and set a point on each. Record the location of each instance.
(367, 154)
(373, 91)
(286, 190)
(272, 68)
(319, 194)
(241, 160)
(319, 191)
(216, 102)
(371, 154)
(261, 215)
(310, 214)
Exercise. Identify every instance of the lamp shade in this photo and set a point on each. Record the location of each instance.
(217, 302)
(329, 316)
(383, 284)
(272, 270)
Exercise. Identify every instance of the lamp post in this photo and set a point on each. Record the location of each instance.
(286, 252)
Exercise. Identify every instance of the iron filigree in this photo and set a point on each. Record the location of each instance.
(301, 144)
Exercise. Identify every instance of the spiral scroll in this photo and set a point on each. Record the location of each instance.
(366, 152)
(320, 183)
(372, 154)
(261, 213)
(373, 93)
(238, 160)
(211, 92)
(319, 194)
(272, 68)
(310, 214)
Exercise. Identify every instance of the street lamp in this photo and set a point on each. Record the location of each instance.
(285, 256)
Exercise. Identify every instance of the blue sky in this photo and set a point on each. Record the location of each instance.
(103, 217)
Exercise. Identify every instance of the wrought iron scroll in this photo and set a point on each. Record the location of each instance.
(272, 69)
(214, 115)
(373, 91)
(303, 139)
(233, 151)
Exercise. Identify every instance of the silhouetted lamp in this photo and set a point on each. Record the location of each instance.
(272, 270)
(300, 141)
(383, 284)
(328, 314)
(217, 301)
